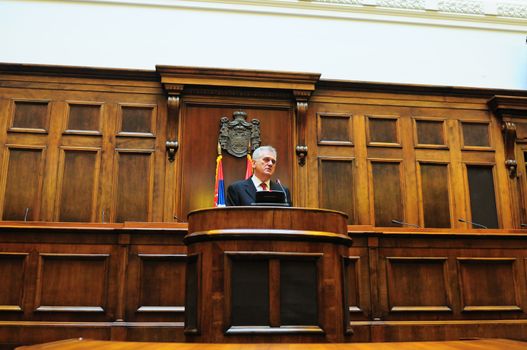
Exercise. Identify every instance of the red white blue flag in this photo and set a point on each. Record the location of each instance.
(219, 186)
(249, 167)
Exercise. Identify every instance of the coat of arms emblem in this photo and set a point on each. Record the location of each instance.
(238, 136)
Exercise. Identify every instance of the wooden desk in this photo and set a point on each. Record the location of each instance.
(266, 275)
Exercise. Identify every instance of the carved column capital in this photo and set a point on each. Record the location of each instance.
(507, 109)
(301, 99)
(174, 92)
(509, 138)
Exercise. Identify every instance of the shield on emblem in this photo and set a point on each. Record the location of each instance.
(237, 136)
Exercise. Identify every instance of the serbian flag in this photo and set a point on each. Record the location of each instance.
(219, 186)
(249, 167)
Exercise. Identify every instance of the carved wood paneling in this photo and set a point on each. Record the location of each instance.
(134, 185)
(72, 283)
(84, 118)
(162, 283)
(489, 284)
(352, 288)
(475, 134)
(435, 184)
(418, 284)
(387, 193)
(23, 182)
(334, 129)
(32, 116)
(337, 186)
(77, 180)
(137, 120)
(383, 131)
(430, 133)
(13, 272)
(482, 196)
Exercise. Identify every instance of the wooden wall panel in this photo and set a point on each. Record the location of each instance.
(418, 284)
(162, 283)
(137, 119)
(78, 182)
(249, 298)
(482, 196)
(334, 129)
(72, 282)
(299, 292)
(475, 134)
(489, 284)
(85, 118)
(23, 186)
(13, 272)
(387, 198)
(337, 185)
(133, 199)
(31, 115)
(383, 131)
(435, 194)
(430, 132)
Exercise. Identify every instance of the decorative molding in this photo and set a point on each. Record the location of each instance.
(512, 10)
(507, 109)
(461, 7)
(346, 2)
(403, 4)
(506, 15)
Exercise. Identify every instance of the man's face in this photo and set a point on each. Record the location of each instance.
(265, 166)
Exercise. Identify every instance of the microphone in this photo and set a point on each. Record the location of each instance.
(404, 223)
(283, 190)
(472, 223)
(523, 225)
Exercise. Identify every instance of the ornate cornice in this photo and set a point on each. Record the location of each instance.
(461, 7)
(510, 15)
(403, 4)
(512, 10)
(237, 78)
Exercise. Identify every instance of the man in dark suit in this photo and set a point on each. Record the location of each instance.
(264, 165)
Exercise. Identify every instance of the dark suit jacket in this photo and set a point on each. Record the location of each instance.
(243, 192)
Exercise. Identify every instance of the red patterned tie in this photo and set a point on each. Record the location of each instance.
(264, 186)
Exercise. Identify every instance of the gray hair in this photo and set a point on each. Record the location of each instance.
(257, 154)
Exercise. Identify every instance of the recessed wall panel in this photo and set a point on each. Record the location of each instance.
(298, 292)
(79, 185)
(84, 117)
(334, 129)
(30, 115)
(12, 270)
(430, 132)
(476, 134)
(418, 284)
(23, 186)
(137, 119)
(69, 282)
(482, 195)
(387, 193)
(434, 189)
(488, 284)
(249, 292)
(162, 283)
(383, 130)
(336, 186)
(133, 186)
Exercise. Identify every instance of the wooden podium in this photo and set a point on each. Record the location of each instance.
(266, 274)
